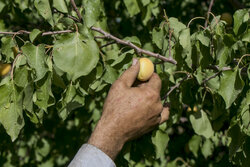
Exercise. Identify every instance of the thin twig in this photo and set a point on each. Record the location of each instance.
(107, 44)
(100, 37)
(67, 15)
(131, 45)
(208, 13)
(170, 31)
(201, 27)
(76, 10)
(242, 58)
(183, 161)
(211, 77)
(21, 32)
(216, 20)
(176, 86)
(195, 19)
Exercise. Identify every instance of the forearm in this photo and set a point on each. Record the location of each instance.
(107, 139)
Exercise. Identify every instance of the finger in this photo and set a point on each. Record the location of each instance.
(155, 82)
(129, 76)
(164, 115)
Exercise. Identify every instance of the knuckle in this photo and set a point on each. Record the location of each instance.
(153, 93)
(118, 84)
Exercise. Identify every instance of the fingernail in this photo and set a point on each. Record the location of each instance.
(134, 61)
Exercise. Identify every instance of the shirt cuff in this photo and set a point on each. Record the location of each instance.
(90, 156)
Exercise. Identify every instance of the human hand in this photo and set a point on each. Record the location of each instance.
(128, 112)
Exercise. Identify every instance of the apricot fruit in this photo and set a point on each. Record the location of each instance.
(4, 69)
(146, 69)
(227, 17)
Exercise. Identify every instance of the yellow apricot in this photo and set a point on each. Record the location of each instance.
(15, 50)
(189, 109)
(195, 109)
(146, 69)
(4, 69)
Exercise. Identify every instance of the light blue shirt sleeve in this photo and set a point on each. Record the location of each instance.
(90, 156)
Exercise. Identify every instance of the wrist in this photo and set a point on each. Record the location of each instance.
(108, 139)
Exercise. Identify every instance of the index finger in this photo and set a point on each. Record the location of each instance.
(155, 82)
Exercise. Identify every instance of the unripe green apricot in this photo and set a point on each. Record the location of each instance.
(227, 17)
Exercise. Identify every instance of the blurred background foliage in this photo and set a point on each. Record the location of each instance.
(54, 141)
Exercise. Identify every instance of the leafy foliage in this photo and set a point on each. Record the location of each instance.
(52, 99)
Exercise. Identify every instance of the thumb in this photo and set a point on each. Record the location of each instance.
(129, 76)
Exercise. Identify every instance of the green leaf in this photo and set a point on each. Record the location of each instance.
(207, 148)
(201, 124)
(43, 7)
(176, 26)
(145, 2)
(43, 147)
(110, 75)
(36, 59)
(160, 139)
(240, 17)
(135, 40)
(194, 144)
(75, 57)
(246, 37)
(28, 104)
(203, 39)
(231, 86)
(158, 37)
(71, 101)
(223, 55)
(244, 110)
(33, 35)
(43, 95)
(121, 57)
(93, 10)
(185, 42)
(7, 45)
(237, 140)
(132, 7)
(21, 77)
(11, 114)
(152, 8)
(60, 5)
(5, 94)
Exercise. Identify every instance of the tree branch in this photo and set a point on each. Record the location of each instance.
(209, 10)
(56, 32)
(209, 78)
(214, 67)
(21, 32)
(131, 45)
(76, 10)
